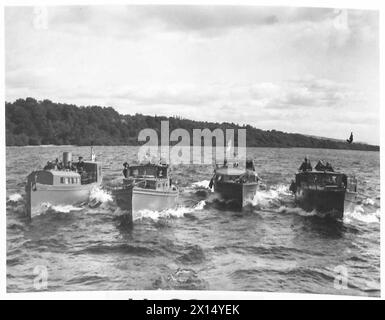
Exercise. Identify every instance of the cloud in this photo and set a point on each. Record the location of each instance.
(305, 97)
(274, 67)
(206, 21)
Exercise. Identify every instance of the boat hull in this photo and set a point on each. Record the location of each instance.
(136, 200)
(154, 200)
(56, 195)
(329, 203)
(237, 194)
(123, 197)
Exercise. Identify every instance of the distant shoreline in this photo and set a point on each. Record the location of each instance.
(120, 145)
(45, 123)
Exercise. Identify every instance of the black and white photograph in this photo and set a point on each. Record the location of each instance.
(192, 148)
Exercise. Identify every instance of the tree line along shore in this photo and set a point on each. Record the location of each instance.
(32, 122)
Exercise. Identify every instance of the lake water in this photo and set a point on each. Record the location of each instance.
(270, 246)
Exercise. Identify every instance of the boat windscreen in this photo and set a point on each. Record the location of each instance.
(90, 173)
(322, 179)
(154, 171)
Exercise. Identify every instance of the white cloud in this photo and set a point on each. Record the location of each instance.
(278, 68)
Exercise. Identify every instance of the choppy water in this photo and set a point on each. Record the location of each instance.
(270, 246)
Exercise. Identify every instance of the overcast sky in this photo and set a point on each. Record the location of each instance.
(312, 71)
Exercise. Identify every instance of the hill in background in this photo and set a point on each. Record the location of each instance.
(32, 122)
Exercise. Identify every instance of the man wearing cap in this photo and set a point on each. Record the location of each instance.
(305, 166)
(125, 170)
(80, 165)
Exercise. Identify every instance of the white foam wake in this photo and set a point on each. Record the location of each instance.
(202, 184)
(65, 208)
(297, 210)
(178, 212)
(45, 206)
(368, 202)
(99, 195)
(359, 213)
(270, 197)
(99, 198)
(15, 197)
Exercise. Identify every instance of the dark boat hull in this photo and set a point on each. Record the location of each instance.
(123, 197)
(238, 194)
(330, 203)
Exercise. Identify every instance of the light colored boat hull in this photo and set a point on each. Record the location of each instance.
(135, 200)
(154, 200)
(56, 195)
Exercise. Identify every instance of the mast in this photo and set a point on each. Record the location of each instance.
(93, 156)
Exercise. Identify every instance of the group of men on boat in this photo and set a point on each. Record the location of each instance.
(161, 168)
(69, 166)
(320, 166)
(307, 167)
(242, 176)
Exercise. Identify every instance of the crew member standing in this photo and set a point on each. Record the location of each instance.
(80, 165)
(305, 166)
(125, 169)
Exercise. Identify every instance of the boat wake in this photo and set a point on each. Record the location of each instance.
(278, 198)
(47, 207)
(178, 212)
(271, 198)
(199, 189)
(299, 211)
(264, 198)
(360, 214)
(204, 184)
(98, 197)
(16, 204)
(14, 198)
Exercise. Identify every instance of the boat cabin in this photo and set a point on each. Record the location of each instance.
(235, 175)
(92, 173)
(148, 171)
(149, 176)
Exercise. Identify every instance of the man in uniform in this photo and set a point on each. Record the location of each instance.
(125, 169)
(305, 166)
(80, 165)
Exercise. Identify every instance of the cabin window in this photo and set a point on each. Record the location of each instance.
(62, 180)
(135, 172)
